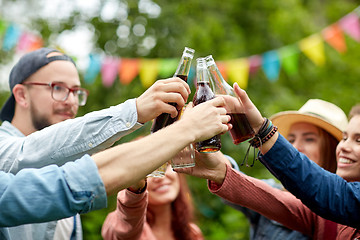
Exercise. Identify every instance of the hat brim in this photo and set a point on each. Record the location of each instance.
(7, 111)
(284, 120)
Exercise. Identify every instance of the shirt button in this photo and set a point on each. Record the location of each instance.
(128, 124)
(90, 144)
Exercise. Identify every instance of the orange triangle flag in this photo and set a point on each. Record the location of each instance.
(222, 68)
(334, 36)
(36, 44)
(128, 69)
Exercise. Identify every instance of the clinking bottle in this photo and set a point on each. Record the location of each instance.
(241, 130)
(204, 93)
(182, 72)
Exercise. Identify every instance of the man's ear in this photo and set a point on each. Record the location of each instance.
(21, 95)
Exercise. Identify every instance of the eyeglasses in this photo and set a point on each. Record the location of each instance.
(60, 92)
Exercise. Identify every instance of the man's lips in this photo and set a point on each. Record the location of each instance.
(66, 114)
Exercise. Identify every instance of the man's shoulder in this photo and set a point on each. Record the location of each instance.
(7, 129)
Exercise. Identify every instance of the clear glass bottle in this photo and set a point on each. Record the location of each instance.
(204, 93)
(182, 72)
(241, 130)
(165, 119)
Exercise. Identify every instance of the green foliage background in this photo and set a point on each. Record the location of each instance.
(227, 30)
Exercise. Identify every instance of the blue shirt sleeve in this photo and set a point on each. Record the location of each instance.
(325, 193)
(50, 193)
(68, 140)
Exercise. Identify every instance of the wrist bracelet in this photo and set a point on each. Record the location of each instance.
(266, 131)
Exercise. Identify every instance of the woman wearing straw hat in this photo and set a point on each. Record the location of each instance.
(315, 129)
(333, 196)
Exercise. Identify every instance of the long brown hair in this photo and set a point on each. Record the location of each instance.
(328, 151)
(182, 213)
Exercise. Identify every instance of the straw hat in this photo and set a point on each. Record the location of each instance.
(315, 111)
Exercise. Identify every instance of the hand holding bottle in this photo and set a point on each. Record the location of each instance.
(207, 119)
(155, 100)
(241, 129)
(255, 118)
(211, 166)
(253, 114)
(204, 93)
(182, 72)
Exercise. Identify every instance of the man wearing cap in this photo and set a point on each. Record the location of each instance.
(45, 90)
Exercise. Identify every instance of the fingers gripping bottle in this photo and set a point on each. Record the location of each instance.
(165, 119)
(241, 130)
(204, 93)
(182, 72)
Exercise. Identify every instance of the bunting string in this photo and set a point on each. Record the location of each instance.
(233, 70)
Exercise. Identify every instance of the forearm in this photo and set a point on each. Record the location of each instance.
(325, 193)
(67, 141)
(270, 202)
(50, 193)
(126, 164)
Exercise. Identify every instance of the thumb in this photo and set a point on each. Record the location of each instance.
(189, 106)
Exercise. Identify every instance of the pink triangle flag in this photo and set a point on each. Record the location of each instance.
(350, 24)
(109, 71)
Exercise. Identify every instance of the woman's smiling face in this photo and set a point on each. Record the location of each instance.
(348, 152)
(164, 190)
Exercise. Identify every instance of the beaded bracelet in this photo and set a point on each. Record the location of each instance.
(266, 131)
(257, 141)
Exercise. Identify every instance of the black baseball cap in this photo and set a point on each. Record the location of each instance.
(23, 69)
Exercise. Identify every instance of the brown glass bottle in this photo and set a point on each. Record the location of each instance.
(204, 93)
(182, 72)
(241, 128)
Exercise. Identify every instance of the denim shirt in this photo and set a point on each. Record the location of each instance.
(262, 228)
(60, 143)
(49, 193)
(325, 193)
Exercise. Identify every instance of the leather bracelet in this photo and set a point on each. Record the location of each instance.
(257, 141)
(263, 134)
(266, 131)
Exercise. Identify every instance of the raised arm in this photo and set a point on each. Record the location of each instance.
(50, 193)
(96, 131)
(197, 124)
(325, 193)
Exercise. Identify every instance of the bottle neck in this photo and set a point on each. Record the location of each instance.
(184, 66)
(219, 85)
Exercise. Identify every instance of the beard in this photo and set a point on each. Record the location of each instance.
(39, 122)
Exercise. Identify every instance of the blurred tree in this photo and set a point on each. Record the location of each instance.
(227, 30)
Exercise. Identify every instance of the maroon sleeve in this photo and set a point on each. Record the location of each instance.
(270, 202)
(128, 221)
